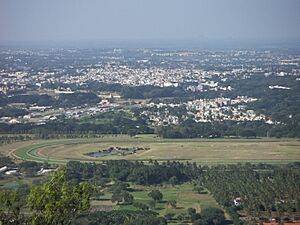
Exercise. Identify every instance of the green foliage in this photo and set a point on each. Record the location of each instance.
(123, 217)
(192, 129)
(10, 208)
(211, 216)
(173, 181)
(195, 217)
(140, 206)
(112, 123)
(172, 203)
(6, 161)
(29, 168)
(77, 99)
(119, 187)
(152, 204)
(6, 139)
(41, 100)
(248, 133)
(136, 172)
(122, 197)
(12, 112)
(261, 187)
(199, 189)
(23, 191)
(156, 195)
(266, 189)
(169, 216)
(57, 201)
(191, 211)
(64, 100)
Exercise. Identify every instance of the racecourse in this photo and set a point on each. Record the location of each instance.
(204, 151)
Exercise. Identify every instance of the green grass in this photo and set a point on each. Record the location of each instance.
(182, 194)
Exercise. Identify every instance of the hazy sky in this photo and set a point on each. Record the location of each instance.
(76, 20)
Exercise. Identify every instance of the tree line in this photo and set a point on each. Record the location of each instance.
(114, 123)
(137, 172)
(250, 129)
(63, 100)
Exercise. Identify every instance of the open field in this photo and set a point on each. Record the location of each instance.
(184, 196)
(206, 151)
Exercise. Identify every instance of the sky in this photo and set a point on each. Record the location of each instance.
(168, 20)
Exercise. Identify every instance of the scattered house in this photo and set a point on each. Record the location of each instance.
(277, 223)
(269, 122)
(57, 91)
(44, 171)
(10, 172)
(279, 87)
(237, 201)
(3, 169)
(27, 117)
(104, 102)
(13, 121)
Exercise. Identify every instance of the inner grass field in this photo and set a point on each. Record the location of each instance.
(205, 151)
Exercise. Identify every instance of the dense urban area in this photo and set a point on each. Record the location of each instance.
(52, 92)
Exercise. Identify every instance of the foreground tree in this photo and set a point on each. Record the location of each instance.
(211, 216)
(57, 202)
(10, 208)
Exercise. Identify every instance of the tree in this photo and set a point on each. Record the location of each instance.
(156, 195)
(199, 189)
(173, 181)
(140, 206)
(172, 203)
(10, 206)
(119, 187)
(248, 133)
(213, 216)
(128, 198)
(46, 165)
(169, 216)
(23, 191)
(122, 196)
(152, 204)
(120, 217)
(57, 202)
(191, 211)
(195, 217)
(29, 168)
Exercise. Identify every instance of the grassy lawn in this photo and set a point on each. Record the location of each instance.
(182, 194)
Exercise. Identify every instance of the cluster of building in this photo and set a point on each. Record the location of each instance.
(193, 69)
(204, 110)
(42, 114)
